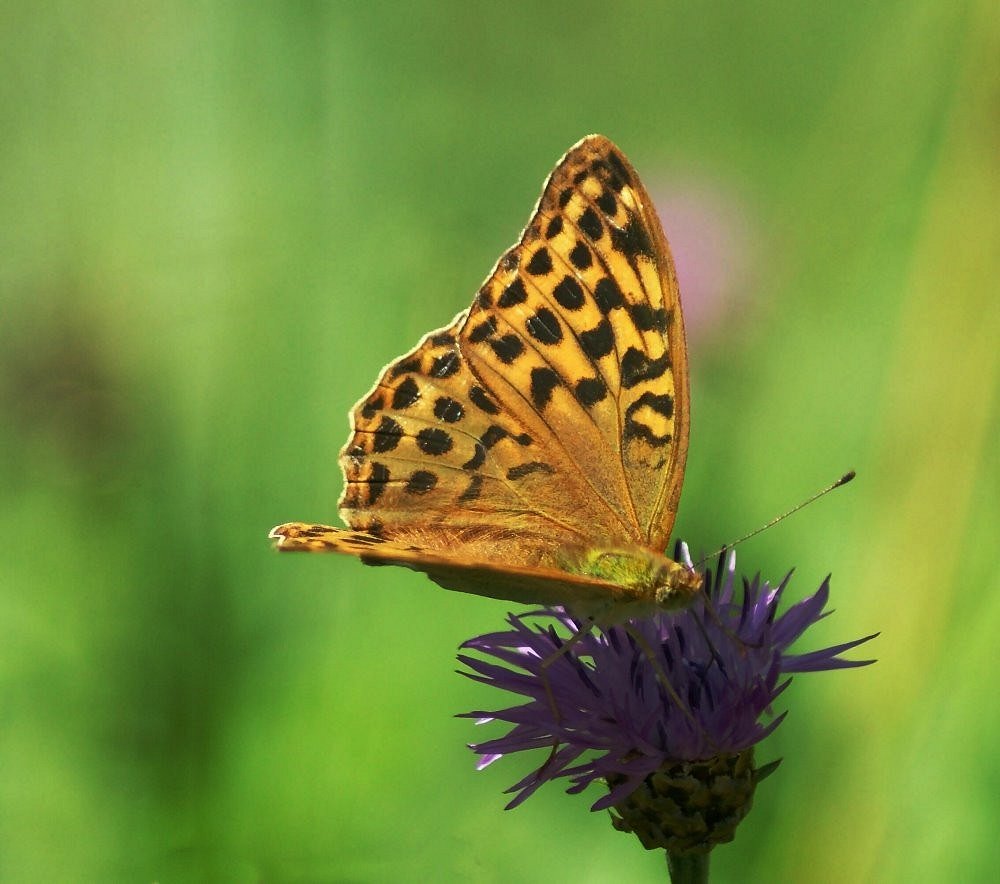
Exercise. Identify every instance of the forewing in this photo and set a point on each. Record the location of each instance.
(553, 413)
(578, 332)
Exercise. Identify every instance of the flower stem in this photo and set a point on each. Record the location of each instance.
(688, 868)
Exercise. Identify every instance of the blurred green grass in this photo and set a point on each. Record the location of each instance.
(218, 221)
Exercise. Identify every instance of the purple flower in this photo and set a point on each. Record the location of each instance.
(673, 695)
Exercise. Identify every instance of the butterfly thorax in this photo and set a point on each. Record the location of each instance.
(652, 579)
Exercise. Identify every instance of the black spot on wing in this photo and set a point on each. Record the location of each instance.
(478, 397)
(616, 181)
(477, 459)
(483, 330)
(372, 407)
(540, 263)
(619, 166)
(449, 410)
(513, 295)
(363, 541)
(569, 294)
(492, 435)
(648, 319)
(590, 391)
(607, 203)
(377, 482)
(543, 382)
(590, 224)
(544, 327)
(637, 367)
(507, 348)
(598, 341)
(526, 469)
(608, 295)
(634, 429)
(312, 531)
(435, 441)
(632, 239)
(445, 366)
(405, 394)
(474, 489)
(580, 256)
(420, 482)
(405, 366)
(386, 435)
(554, 227)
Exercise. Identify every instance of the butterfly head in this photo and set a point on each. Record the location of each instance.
(676, 585)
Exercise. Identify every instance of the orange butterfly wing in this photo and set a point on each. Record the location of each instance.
(551, 416)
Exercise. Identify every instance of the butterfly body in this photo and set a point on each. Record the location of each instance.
(533, 449)
(658, 581)
(607, 585)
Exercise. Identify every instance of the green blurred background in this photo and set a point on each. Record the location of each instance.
(219, 220)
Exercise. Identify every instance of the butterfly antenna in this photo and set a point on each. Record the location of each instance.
(843, 480)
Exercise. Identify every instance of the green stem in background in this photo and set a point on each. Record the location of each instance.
(688, 868)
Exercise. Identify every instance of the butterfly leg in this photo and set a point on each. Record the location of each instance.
(713, 652)
(713, 614)
(561, 651)
(662, 677)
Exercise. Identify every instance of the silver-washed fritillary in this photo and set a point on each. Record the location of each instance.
(533, 450)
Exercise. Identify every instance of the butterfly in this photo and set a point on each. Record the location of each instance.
(533, 449)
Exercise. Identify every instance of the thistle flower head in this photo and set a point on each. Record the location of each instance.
(645, 705)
